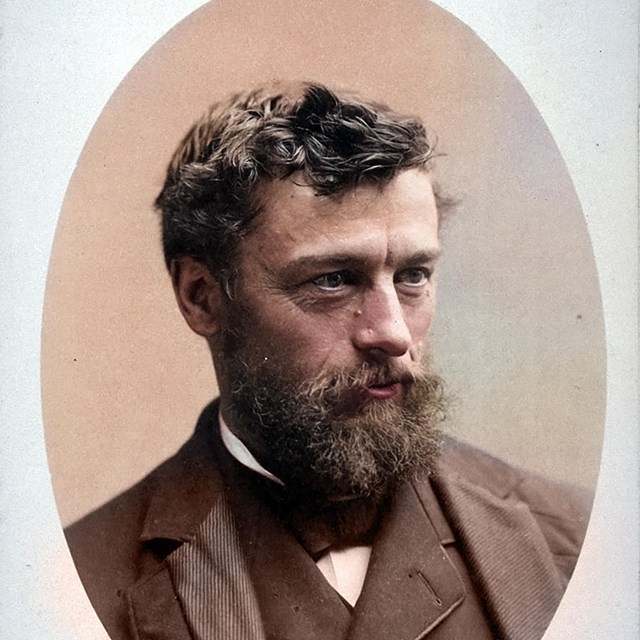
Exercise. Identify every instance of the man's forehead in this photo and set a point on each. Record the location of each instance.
(293, 196)
(371, 223)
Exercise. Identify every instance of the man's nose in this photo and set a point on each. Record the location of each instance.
(380, 324)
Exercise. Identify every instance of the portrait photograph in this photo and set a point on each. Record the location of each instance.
(321, 321)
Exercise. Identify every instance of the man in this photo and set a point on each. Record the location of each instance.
(318, 498)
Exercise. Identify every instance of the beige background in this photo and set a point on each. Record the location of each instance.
(519, 334)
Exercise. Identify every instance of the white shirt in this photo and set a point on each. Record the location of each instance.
(345, 569)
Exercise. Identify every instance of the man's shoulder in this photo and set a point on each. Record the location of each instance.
(559, 511)
(463, 462)
(109, 544)
(119, 522)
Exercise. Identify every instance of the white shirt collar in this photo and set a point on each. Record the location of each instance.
(240, 452)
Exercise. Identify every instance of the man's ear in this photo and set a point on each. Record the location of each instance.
(199, 295)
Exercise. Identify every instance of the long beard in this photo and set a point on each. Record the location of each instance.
(321, 438)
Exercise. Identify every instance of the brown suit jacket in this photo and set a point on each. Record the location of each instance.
(520, 534)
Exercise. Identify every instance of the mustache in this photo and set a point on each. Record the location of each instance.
(333, 385)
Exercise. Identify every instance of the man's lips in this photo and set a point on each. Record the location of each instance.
(382, 391)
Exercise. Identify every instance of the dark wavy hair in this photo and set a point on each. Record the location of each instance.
(333, 141)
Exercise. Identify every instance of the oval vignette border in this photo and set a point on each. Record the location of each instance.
(107, 211)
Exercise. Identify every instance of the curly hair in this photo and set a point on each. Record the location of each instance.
(333, 141)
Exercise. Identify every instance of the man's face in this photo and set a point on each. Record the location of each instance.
(333, 298)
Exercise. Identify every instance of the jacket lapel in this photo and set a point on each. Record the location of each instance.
(154, 610)
(201, 591)
(194, 583)
(506, 552)
(212, 581)
(411, 585)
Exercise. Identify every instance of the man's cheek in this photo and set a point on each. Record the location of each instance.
(420, 326)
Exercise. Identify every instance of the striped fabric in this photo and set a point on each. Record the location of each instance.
(212, 581)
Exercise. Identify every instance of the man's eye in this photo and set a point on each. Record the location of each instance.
(330, 281)
(414, 276)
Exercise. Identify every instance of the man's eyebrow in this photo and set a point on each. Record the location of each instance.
(329, 258)
(325, 261)
(343, 261)
(422, 256)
